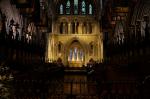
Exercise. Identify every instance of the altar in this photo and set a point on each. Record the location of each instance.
(75, 64)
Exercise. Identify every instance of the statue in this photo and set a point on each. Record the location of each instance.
(11, 29)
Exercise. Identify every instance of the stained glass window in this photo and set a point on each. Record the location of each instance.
(70, 57)
(81, 55)
(90, 9)
(68, 7)
(61, 9)
(83, 7)
(75, 53)
(75, 6)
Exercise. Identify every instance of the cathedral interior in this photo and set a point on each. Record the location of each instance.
(74, 49)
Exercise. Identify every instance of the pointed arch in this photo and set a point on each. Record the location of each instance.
(68, 7)
(61, 9)
(75, 52)
(90, 9)
(75, 6)
(83, 7)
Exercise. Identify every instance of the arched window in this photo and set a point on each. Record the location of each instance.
(90, 9)
(70, 55)
(68, 7)
(61, 9)
(81, 55)
(75, 6)
(75, 53)
(83, 7)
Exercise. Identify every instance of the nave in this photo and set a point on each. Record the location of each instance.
(72, 86)
(41, 41)
(77, 85)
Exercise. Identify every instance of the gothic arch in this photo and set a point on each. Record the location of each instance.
(141, 9)
(75, 53)
(76, 39)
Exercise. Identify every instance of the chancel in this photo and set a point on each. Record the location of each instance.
(74, 49)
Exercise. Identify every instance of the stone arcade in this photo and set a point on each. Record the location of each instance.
(75, 39)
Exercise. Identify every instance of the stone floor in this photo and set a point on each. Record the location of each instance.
(68, 86)
(77, 84)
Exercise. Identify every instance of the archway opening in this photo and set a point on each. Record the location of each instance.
(75, 54)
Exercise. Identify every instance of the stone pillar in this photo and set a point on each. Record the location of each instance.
(75, 27)
(53, 26)
(73, 56)
(80, 30)
(77, 56)
(85, 28)
(92, 28)
(69, 27)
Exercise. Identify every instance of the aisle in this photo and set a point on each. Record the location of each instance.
(68, 86)
(75, 87)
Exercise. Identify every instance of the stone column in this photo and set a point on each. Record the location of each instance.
(80, 28)
(53, 26)
(69, 27)
(77, 56)
(73, 56)
(75, 27)
(92, 28)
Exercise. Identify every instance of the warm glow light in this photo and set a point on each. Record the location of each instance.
(75, 49)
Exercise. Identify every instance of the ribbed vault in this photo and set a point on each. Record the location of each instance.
(142, 9)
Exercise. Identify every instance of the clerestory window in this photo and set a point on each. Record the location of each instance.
(68, 7)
